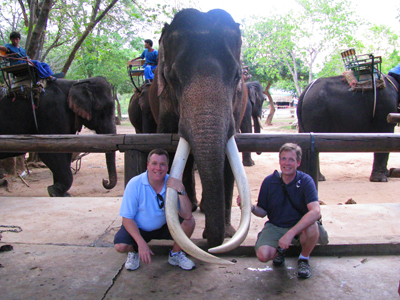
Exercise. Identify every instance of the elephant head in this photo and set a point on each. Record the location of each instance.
(198, 92)
(93, 105)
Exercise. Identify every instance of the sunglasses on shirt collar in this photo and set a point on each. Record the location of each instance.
(160, 201)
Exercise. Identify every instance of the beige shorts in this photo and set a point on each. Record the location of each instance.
(271, 234)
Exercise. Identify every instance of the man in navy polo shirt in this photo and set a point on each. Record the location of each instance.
(288, 224)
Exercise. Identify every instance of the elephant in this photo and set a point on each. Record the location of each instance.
(63, 107)
(139, 111)
(330, 105)
(253, 111)
(198, 92)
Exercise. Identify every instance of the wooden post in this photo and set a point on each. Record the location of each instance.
(313, 160)
(393, 118)
(313, 164)
(135, 164)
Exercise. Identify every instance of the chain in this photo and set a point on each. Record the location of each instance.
(15, 228)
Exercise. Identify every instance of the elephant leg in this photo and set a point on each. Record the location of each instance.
(379, 170)
(305, 167)
(59, 164)
(247, 160)
(229, 184)
(189, 182)
(246, 127)
(320, 176)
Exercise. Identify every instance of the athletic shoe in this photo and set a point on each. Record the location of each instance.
(304, 269)
(180, 259)
(280, 259)
(132, 262)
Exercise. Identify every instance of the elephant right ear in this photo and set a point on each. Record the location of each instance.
(80, 99)
(160, 68)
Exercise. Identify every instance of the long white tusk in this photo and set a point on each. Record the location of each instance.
(171, 210)
(259, 122)
(244, 192)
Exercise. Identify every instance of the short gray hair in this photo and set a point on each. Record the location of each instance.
(158, 151)
(291, 147)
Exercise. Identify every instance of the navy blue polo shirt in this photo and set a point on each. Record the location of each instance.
(279, 210)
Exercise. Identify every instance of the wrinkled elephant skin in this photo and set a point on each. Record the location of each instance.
(63, 108)
(199, 93)
(329, 105)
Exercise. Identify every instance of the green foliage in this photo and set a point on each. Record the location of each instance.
(294, 41)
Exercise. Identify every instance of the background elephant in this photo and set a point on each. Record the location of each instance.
(253, 111)
(199, 93)
(329, 105)
(62, 108)
(139, 111)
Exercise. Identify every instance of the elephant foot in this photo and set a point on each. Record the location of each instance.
(248, 163)
(321, 177)
(202, 207)
(394, 172)
(229, 231)
(194, 206)
(378, 177)
(54, 191)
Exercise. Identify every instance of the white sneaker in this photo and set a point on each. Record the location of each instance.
(132, 262)
(180, 259)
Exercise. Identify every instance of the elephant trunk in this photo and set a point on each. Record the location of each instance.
(112, 171)
(207, 123)
(109, 128)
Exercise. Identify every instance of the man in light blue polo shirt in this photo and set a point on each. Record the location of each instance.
(143, 214)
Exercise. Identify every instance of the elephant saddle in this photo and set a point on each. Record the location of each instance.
(363, 85)
(22, 89)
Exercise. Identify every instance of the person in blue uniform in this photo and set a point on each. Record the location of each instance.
(150, 55)
(43, 70)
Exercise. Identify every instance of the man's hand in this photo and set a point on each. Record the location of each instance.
(286, 240)
(175, 184)
(239, 201)
(145, 253)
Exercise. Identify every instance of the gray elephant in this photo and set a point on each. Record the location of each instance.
(329, 105)
(64, 106)
(198, 92)
(253, 112)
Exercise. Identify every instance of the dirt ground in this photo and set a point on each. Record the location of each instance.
(347, 176)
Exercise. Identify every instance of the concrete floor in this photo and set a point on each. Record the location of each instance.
(65, 251)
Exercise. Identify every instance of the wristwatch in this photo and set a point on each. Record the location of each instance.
(183, 193)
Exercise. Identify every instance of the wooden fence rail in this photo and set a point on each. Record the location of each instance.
(136, 145)
(322, 142)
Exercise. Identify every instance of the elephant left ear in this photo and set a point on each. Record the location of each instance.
(81, 100)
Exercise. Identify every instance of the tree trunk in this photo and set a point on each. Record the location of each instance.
(87, 31)
(118, 119)
(271, 105)
(39, 29)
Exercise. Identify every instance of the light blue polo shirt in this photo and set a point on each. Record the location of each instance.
(140, 203)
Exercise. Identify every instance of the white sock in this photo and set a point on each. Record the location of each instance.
(174, 253)
(303, 257)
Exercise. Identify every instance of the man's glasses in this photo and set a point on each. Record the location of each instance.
(160, 201)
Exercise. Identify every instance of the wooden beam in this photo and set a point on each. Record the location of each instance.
(250, 142)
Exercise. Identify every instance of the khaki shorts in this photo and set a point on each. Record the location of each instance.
(271, 234)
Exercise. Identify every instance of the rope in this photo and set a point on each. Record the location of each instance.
(309, 88)
(16, 229)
